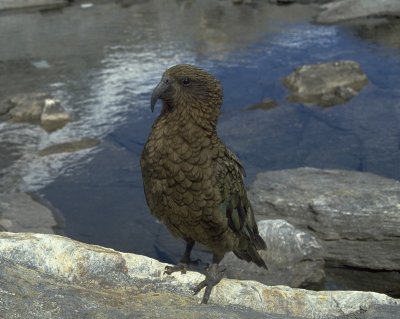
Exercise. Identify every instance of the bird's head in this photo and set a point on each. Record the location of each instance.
(187, 89)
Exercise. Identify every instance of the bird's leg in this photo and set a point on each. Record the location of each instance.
(185, 261)
(214, 275)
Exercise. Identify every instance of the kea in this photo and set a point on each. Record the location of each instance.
(193, 183)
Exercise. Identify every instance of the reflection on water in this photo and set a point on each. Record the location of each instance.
(102, 63)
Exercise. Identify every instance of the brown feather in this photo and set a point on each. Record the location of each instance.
(192, 181)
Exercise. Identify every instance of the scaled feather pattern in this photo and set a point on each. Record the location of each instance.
(193, 183)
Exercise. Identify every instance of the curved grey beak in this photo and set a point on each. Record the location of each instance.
(159, 91)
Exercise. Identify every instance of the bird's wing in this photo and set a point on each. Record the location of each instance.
(237, 208)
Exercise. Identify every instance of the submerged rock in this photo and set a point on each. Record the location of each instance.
(294, 257)
(265, 105)
(76, 280)
(34, 108)
(383, 32)
(340, 10)
(69, 147)
(326, 84)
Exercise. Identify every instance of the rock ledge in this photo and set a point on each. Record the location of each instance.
(94, 281)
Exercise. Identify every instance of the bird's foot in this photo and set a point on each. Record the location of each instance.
(183, 266)
(213, 276)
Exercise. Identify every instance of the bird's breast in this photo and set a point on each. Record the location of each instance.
(177, 171)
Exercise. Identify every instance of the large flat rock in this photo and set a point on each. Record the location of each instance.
(356, 215)
(49, 276)
(340, 10)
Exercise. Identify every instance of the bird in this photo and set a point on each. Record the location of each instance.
(192, 182)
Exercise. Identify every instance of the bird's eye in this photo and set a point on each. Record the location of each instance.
(186, 81)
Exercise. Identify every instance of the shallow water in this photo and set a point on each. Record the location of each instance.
(103, 62)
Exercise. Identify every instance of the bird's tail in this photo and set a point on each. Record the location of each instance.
(251, 254)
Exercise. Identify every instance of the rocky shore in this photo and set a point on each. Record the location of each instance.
(355, 216)
(325, 229)
(49, 276)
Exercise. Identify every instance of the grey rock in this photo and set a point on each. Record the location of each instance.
(294, 257)
(325, 84)
(23, 107)
(34, 108)
(53, 115)
(19, 212)
(340, 10)
(49, 276)
(355, 215)
(22, 4)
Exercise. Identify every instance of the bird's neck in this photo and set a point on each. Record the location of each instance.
(195, 117)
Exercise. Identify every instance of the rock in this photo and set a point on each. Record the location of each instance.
(49, 276)
(53, 115)
(265, 104)
(355, 215)
(294, 257)
(23, 107)
(285, 2)
(325, 84)
(69, 147)
(375, 312)
(340, 10)
(20, 4)
(34, 108)
(19, 212)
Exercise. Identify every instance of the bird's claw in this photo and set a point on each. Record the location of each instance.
(213, 277)
(179, 267)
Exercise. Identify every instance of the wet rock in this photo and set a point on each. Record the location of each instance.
(34, 108)
(79, 280)
(53, 115)
(19, 212)
(340, 10)
(325, 84)
(69, 147)
(23, 107)
(355, 215)
(265, 105)
(21, 4)
(294, 257)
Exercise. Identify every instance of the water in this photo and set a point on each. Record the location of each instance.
(103, 62)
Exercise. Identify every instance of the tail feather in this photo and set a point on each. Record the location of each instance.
(259, 243)
(251, 255)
